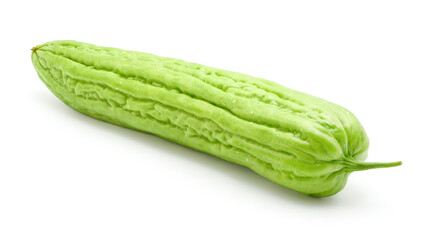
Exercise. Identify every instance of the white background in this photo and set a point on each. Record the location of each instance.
(64, 175)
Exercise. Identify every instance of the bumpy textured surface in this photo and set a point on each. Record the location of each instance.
(294, 139)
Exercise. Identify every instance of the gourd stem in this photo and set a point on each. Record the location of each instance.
(360, 166)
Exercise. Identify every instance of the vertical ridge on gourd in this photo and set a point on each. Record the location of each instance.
(294, 139)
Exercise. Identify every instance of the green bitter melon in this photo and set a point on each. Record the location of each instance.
(296, 140)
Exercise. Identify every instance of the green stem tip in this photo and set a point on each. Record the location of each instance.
(360, 166)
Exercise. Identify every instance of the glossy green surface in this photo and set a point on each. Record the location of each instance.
(296, 140)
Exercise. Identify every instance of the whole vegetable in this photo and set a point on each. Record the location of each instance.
(296, 140)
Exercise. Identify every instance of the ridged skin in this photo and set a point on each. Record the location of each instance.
(294, 139)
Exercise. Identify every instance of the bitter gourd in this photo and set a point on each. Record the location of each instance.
(296, 140)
